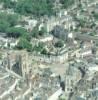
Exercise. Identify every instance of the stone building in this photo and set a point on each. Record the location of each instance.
(72, 77)
(17, 62)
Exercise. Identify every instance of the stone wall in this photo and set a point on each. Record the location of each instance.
(51, 59)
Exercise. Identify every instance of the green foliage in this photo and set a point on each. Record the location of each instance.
(35, 7)
(96, 16)
(62, 99)
(8, 3)
(59, 44)
(3, 16)
(3, 26)
(24, 44)
(27, 36)
(36, 33)
(67, 3)
(39, 47)
(15, 32)
(24, 7)
(0, 55)
(43, 31)
(12, 19)
(94, 50)
(82, 23)
(7, 20)
(92, 34)
(44, 51)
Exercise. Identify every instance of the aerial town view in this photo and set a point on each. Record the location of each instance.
(48, 49)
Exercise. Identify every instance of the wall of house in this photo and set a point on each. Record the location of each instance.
(51, 59)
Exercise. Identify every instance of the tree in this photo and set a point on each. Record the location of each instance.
(7, 20)
(82, 23)
(44, 51)
(8, 3)
(43, 31)
(35, 7)
(3, 16)
(0, 56)
(39, 47)
(27, 36)
(96, 16)
(24, 44)
(94, 50)
(67, 3)
(24, 7)
(12, 19)
(59, 44)
(35, 31)
(92, 34)
(15, 32)
(4, 26)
